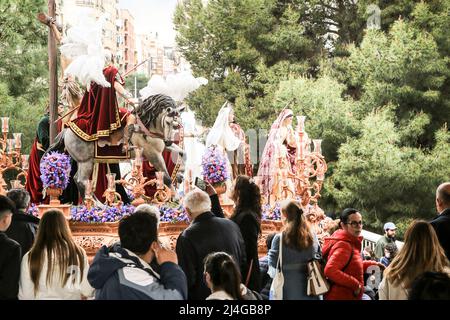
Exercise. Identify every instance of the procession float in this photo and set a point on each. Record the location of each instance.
(157, 136)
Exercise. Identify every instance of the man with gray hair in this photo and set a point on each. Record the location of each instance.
(441, 223)
(154, 211)
(23, 226)
(206, 234)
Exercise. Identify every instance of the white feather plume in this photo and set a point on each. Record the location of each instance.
(83, 45)
(177, 86)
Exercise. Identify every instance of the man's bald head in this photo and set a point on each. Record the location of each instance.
(443, 197)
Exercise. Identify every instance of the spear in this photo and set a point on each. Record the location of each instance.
(135, 67)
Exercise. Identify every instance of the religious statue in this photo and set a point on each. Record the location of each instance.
(277, 165)
(241, 163)
(221, 134)
(230, 137)
(193, 148)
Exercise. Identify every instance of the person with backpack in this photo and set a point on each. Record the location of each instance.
(344, 267)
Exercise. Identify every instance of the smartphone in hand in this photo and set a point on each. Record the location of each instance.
(199, 183)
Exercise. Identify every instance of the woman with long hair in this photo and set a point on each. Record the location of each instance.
(247, 215)
(223, 277)
(55, 267)
(420, 253)
(299, 245)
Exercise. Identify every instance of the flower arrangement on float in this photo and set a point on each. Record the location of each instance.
(55, 174)
(116, 213)
(173, 214)
(215, 169)
(271, 212)
(100, 215)
(33, 210)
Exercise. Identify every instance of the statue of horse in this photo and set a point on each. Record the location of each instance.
(157, 121)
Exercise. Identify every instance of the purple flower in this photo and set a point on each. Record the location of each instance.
(168, 213)
(129, 194)
(99, 215)
(214, 165)
(269, 213)
(33, 210)
(172, 214)
(55, 170)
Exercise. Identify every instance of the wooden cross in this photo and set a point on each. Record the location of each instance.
(54, 37)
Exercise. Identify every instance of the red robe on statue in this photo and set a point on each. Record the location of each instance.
(171, 164)
(41, 143)
(150, 172)
(98, 114)
(34, 183)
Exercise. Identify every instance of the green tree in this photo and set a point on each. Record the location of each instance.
(384, 179)
(404, 68)
(244, 48)
(23, 115)
(140, 79)
(378, 98)
(23, 66)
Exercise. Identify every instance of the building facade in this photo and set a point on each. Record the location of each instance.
(69, 11)
(127, 44)
(120, 37)
(162, 60)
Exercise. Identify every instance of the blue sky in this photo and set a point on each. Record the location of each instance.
(153, 16)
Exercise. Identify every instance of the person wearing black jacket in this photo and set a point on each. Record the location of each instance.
(441, 223)
(23, 226)
(10, 256)
(247, 215)
(209, 232)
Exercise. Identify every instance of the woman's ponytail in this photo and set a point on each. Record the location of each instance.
(224, 273)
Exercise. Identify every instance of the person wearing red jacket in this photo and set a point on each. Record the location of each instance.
(345, 267)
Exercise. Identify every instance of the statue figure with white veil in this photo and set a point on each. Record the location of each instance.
(193, 149)
(222, 135)
(278, 160)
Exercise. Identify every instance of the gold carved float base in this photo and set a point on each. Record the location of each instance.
(92, 236)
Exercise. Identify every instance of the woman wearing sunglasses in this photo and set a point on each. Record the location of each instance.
(345, 267)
